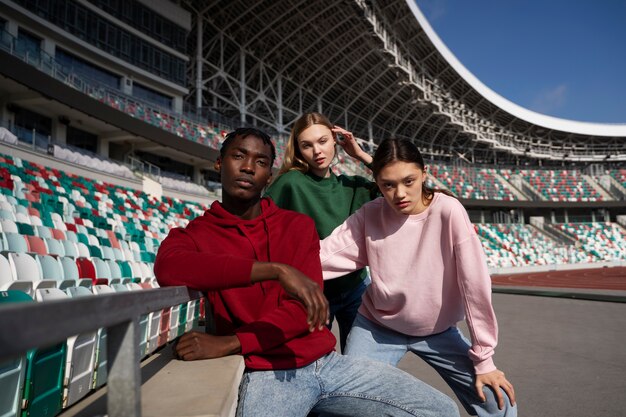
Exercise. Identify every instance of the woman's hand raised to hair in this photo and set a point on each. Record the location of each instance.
(351, 146)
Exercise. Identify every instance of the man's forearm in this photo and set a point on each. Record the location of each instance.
(263, 271)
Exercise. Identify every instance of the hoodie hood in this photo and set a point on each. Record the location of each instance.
(255, 230)
(218, 215)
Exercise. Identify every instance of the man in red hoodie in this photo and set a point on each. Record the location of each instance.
(260, 266)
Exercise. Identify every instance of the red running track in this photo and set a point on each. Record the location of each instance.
(597, 279)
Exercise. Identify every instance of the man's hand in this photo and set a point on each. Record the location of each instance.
(496, 380)
(299, 286)
(196, 345)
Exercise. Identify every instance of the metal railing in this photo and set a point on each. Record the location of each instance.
(31, 325)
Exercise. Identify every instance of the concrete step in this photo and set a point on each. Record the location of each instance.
(175, 388)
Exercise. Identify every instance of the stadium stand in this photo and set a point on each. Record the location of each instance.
(65, 235)
(473, 183)
(561, 185)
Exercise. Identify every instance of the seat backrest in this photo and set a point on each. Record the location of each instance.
(107, 252)
(82, 238)
(86, 268)
(8, 226)
(6, 214)
(102, 268)
(26, 267)
(95, 251)
(71, 236)
(136, 268)
(83, 250)
(58, 234)
(43, 232)
(6, 273)
(25, 228)
(37, 245)
(51, 268)
(35, 221)
(70, 269)
(147, 270)
(70, 248)
(55, 247)
(116, 272)
(16, 243)
(127, 271)
(118, 254)
(22, 216)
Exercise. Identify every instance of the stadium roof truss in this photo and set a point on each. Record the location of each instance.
(376, 68)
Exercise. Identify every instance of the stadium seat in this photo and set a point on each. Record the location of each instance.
(6, 215)
(116, 272)
(43, 232)
(43, 382)
(27, 268)
(8, 226)
(36, 245)
(8, 281)
(12, 371)
(101, 357)
(71, 236)
(80, 358)
(55, 247)
(16, 243)
(58, 234)
(102, 268)
(107, 252)
(83, 250)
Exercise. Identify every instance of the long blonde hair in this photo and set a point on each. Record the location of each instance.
(293, 159)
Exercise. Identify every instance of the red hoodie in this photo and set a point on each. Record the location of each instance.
(215, 253)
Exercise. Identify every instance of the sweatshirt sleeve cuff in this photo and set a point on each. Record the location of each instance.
(485, 366)
(239, 271)
(249, 342)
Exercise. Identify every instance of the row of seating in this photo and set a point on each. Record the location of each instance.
(514, 245)
(471, 183)
(561, 185)
(605, 241)
(45, 381)
(99, 164)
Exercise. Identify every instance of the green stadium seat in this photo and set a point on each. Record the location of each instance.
(12, 371)
(80, 356)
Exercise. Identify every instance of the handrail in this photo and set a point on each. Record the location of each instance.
(30, 325)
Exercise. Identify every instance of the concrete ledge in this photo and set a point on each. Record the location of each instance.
(174, 388)
(191, 389)
(612, 296)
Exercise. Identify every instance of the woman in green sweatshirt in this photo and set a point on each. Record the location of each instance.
(306, 184)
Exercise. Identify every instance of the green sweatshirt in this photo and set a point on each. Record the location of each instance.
(329, 201)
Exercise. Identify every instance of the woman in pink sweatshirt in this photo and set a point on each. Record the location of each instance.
(428, 272)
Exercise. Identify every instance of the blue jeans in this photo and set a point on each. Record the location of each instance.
(344, 307)
(446, 352)
(340, 385)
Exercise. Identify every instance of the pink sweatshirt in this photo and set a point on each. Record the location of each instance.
(428, 271)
